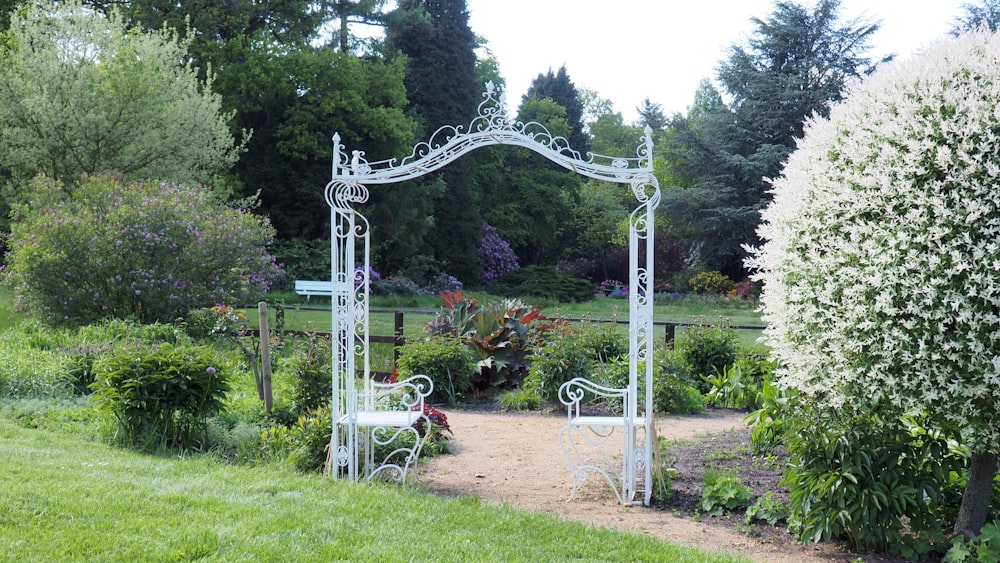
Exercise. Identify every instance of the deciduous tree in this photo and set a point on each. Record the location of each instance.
(881, 260)
(82, 93)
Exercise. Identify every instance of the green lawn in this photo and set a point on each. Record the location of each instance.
(68, 499)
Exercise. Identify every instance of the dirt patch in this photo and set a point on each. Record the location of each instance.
(514, 459)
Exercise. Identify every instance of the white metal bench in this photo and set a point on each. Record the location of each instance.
(384, 414)
(583, 439)
(310, 288)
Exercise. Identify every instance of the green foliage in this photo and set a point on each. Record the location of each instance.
(739, 386)
(85, 345)
(768, 509)
(86, 94)
(29, 364)
(496, 334)
(557, 87)
(565, 354)
(707, 348)
(435, 36)
(543, 282)
(774, 417)
(985, 548)
(796, 61)
(520, 399)
(673, 390)
(303, 444)
(303, 259)
(144, 250)
(723, 492)
(714, 283)
(160, 396)
(867, 477)
(446, 360)
(310, 371)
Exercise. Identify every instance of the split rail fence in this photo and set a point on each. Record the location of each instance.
(398, 339)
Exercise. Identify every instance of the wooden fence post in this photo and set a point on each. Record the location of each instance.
(265, 356)
(400, 340)
(670, 333)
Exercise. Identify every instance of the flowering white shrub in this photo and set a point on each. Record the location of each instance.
(881, 253)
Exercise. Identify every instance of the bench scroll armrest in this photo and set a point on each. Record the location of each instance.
(573, 392)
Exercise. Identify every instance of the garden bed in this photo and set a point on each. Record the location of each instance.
(514, 458)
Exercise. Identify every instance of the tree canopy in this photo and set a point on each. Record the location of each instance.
(797, 62)
(83, 94)
(441, 85)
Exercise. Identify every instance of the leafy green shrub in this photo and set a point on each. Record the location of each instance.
(773, 418)
(604, 340)
(673, 391)
(144, 250)
(864, 475)
(733, 389)
(86, 344)
(714, 283)
(310, 371)
(985, 548)
(543, 282)
(565, 355)
(161, 395)
(303, 259)
(706, 348)
(768, 509)
(446, 360)
(565, 351)
(723, 492)
(304, 444)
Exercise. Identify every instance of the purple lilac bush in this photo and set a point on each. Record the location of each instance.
(497, 256)
(144, 250)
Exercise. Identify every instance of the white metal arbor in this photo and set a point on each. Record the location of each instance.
(356, 409)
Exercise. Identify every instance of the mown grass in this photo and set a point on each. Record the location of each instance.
(68, 499)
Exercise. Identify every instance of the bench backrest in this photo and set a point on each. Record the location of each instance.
(309, 287)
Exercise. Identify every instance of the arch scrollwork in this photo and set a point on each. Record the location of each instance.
(351, 251)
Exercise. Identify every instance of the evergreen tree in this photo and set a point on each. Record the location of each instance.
(796, 63)
(441, 85)
(560, 89)
(985, 13)
(365, 12)
(651, 115)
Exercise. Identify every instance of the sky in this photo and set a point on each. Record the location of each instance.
(628, 50)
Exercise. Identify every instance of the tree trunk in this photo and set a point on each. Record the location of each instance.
(976, 500)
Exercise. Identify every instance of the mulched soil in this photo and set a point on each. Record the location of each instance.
(726, 451)
(731, 451)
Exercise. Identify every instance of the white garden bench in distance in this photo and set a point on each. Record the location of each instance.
(310, 288)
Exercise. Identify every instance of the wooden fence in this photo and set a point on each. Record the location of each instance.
(398, 338)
